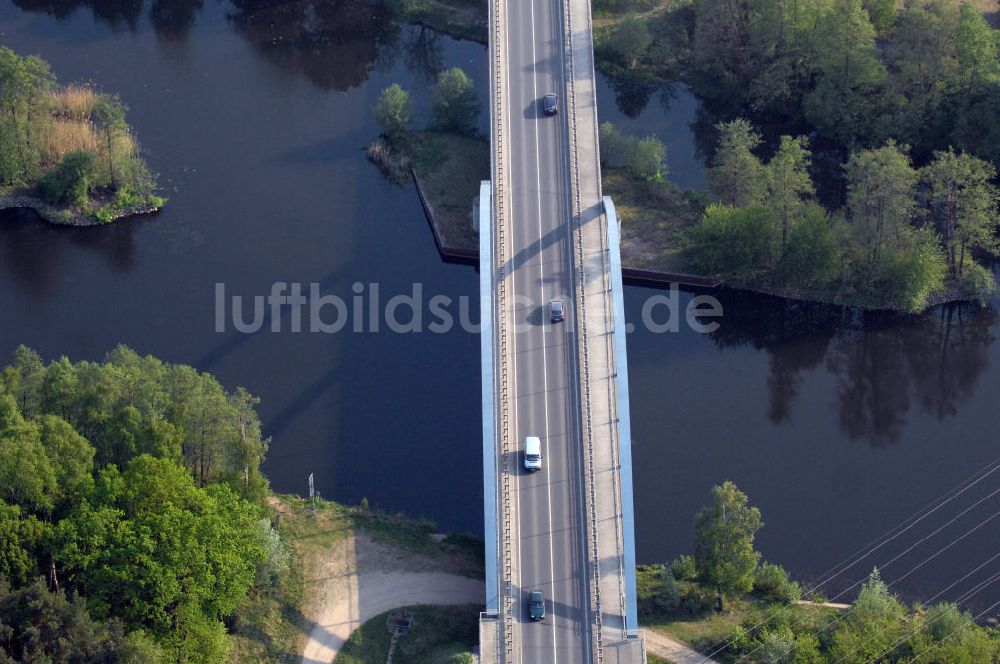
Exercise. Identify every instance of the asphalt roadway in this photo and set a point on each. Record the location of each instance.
(551, 547)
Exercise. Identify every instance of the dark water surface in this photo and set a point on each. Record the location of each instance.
(837, 425)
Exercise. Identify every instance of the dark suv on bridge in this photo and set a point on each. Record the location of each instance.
(550, 104)
(536, 605)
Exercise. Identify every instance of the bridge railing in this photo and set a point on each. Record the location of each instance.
(590, 481)
(500, 202)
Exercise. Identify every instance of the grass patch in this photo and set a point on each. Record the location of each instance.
(416, 536)
(710, 630)
(268, 627)
(440, 635)
(706, 629)
(450, 167)
(655, 219)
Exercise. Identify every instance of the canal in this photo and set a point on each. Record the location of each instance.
(838, 425)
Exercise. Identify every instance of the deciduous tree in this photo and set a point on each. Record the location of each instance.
(724, 535)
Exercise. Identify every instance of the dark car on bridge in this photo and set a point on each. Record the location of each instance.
(536, 605)
(556, 311)
(550, 104)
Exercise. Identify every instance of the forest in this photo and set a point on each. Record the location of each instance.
(133, 519)
(853, 143)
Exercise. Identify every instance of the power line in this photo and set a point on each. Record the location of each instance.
(957, 630)
(955, 583)
(880, 541)
(964, 597)
(833, 623)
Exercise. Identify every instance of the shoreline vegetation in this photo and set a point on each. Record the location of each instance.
(449, 157)
(729, 605)
(887, 203)
(66, 151)
(136, 525)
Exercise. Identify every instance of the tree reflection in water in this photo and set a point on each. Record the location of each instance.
(883, 363)
(171, 19)
(333, 43)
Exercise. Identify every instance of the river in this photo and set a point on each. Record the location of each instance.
(837, 425)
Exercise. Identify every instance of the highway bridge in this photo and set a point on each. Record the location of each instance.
(547, 233)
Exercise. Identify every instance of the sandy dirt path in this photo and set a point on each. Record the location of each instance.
(671, 650)
(361, 579)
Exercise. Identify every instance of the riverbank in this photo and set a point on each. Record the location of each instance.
(656, 218)
(347, 566)
(446, 169)
(70, 216)
(461, 19)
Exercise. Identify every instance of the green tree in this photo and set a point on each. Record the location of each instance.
(975, 48)
(630, 39)
(872, 627)
(881, 188)
(737, 177)
(921, 55)
(20, 538)
(27, 475)
(453, 101)
(72, 180)
(71, 455)
(24, 84)
(780, 33)
(962, 200)
(157, 551)
(845, 103)
(614, 145)
(773, 584)
(720, 49)
(882, 14)
(724, 535)
(394, 112)
(789, 183)
(29, 369)
(109, 114)
(908, 274)
(648, 157)
(739, 244)
(43, 626)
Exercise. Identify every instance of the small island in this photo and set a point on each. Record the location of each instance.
(66, 151)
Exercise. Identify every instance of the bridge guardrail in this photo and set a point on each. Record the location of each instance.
(499, 177)
(581, 318)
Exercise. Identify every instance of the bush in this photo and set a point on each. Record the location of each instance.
(978, 282)
(811, 254)
(684, 569)
(69, 183)
(645, 157)
(666, 596)
(908, 276)
(697, 601)
(736, 243)
(771, 583)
